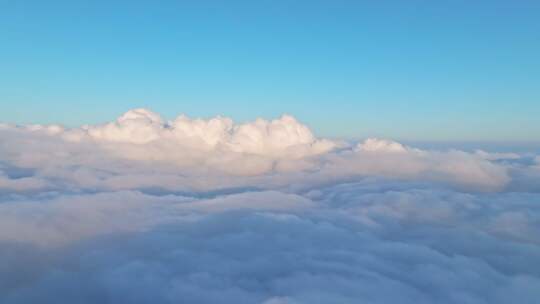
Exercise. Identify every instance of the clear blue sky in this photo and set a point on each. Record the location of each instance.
(417, 70)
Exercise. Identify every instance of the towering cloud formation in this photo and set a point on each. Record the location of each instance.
(279, 138)
(144, 210)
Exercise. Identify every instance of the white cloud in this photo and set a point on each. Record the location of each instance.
(143, 210)
(380, 146)
(217, 146)
(281, 137)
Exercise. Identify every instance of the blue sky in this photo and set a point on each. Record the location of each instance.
(412, 70)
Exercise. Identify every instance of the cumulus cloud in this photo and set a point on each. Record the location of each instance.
(145, 210)
(218, 147)
(279, 138)
(381, 146)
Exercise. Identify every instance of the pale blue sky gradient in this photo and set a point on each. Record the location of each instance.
(413, 70)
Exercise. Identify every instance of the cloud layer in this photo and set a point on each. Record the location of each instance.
(144, 210)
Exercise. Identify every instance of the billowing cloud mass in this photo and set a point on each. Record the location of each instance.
(145, 210)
